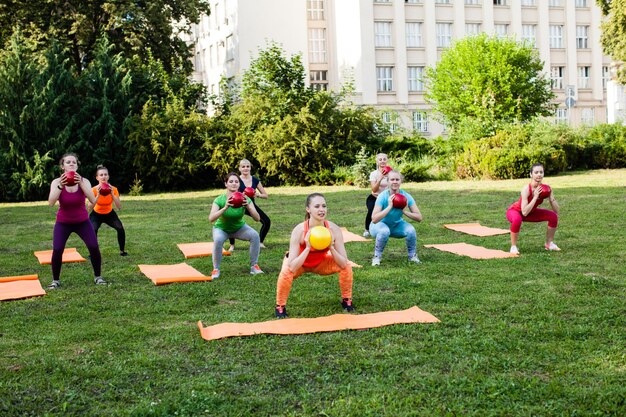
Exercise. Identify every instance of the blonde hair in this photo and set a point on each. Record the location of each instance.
(244, 160)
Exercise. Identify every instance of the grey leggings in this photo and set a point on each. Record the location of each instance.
(245, 233)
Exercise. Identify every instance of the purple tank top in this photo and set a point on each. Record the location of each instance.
(72, 207)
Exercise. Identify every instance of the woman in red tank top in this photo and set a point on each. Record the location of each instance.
(303, 258)
(526, 210)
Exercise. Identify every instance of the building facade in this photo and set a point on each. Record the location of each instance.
(381, 47)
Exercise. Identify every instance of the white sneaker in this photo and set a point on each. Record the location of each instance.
(514, 250)
(255, 270)
(552, 246)
(215, 274)
(415, 260)
(366, 234)
(375, 261)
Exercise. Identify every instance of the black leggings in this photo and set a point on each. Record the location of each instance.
(112, 220)
(370, 203)
(265, 224)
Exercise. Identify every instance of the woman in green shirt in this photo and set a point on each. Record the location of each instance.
(229, 223)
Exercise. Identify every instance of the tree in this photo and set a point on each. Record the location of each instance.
(614, 33)
(490, 81)
(135, 27)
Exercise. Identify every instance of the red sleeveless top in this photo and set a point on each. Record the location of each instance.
(517, 206)
(315, 256)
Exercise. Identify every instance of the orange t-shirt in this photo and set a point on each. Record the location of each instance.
(104, 203)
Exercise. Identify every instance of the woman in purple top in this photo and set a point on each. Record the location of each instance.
(70, 190)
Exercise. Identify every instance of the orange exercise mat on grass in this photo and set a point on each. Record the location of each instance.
(348, 236)
(475, 252)
(167, 274)
(69, 255)
(23, 286)
(476, 229)
(199, 249)
(332, 323)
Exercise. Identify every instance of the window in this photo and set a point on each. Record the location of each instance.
(390, 120)
(382, 34)
(501, 30)
(472, 2)
(555, 3)
(556, 36)
(560, 116)
(499, 2)
(472, 29)
(230, 48)
(413, 34)
(587, 116)
(442, 1)
(317, 45)
(384, 78)
(444, 34)
(606, 76)
(382, 1)
(319, 80)
(582, 37)
(528, 34)
(556, 77)
(581, 3)
(583, 77)
(211, 56)
(528, 2)
(420, 121)
(415, 77)
(199, 61)
(413, 1)
(315, 9)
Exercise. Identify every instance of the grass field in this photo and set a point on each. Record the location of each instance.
(543, 334)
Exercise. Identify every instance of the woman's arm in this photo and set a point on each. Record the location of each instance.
(378, 214)
(85, 185)
(116, 199)
(216, 211)
(375, 184)
(337, 247)
(252, 210)
(261, 191)
(413, 213)
(296, 259)
(527, 206)
(56, 186)
(555, 206)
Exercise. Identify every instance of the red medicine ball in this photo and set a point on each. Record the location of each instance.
(387, 169)
(545, 191)
(105, 189)
(237, 199)
(399, 201)
(250, 192)
(70, 178)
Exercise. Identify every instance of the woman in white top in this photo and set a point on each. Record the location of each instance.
(379, 183)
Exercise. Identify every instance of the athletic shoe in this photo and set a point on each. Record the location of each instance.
(54, 285)
(262, 246)
(215, 274)
(255, 270)
(231, 248)
(123, 253)
(375, 261)
(366, 234)
(514, 250)
(552, 246)
(99, 281)
(415, 260)
(281, 312)
(346, 303)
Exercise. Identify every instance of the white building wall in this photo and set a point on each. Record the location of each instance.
(353, 56)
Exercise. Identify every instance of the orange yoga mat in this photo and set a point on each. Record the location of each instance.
(167, 274)
(348, 236)
(199, 249)
(475, 252)
(476, 229)
(69, 255)
(24, 286)
(332, 323)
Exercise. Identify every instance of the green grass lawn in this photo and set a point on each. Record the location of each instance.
(543, 334)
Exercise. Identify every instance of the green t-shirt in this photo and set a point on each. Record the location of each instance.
(232, 219)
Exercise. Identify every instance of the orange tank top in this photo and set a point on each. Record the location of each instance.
(315, 256)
